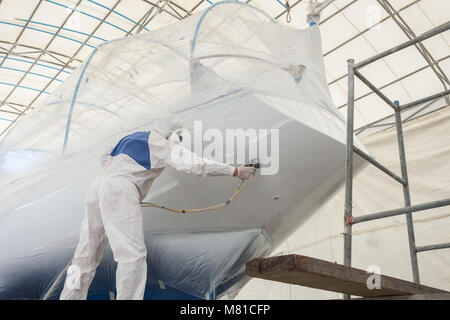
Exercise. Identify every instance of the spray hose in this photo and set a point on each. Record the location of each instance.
(241, 186)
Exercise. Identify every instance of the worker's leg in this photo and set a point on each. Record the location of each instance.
(122, 218)
(89, 251)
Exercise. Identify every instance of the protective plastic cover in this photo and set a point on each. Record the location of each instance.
(229, 51)
(201, 264)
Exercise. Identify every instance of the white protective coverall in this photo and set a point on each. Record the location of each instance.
(113, 208)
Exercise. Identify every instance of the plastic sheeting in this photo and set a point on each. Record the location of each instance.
(231, 66)
(382, 243)
(196, 263)
(129, 82)
(229, 51)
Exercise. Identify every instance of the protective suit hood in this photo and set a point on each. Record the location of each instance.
(167, 125)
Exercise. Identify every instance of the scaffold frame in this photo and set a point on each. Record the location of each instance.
(408, 209)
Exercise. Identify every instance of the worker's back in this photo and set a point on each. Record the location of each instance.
(130, 158)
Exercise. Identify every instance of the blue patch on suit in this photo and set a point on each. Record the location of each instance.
(135, 145)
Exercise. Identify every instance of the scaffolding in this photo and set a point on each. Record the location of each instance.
(408, 209)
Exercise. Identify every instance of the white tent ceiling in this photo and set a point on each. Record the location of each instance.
(43, 41)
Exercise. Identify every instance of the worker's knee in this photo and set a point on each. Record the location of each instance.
(142, 259)
(135, 262)
(134, 256)
(141, 253)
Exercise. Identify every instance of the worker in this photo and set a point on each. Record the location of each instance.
(113, 205)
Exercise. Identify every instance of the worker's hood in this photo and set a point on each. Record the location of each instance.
(168, 125)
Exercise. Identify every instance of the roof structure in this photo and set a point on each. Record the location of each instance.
(43, 41)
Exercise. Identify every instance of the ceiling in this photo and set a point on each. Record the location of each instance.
(43, 41)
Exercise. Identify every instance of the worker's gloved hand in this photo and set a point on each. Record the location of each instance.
(244, 172)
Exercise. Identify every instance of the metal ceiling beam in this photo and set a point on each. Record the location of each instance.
(12, 105)
(337, 12)
(22, 31)
(13, 54)
(37, 49)
(13, 46)
(42, 53)
(377, 123)
(169, 4)
(440, 29)
(426, 35)
(411, 116)
(54, 57)
(194, 7)
(403, 25)
(356, 36)
(79, 49)
(11, 112)
(34, 63)
(394, 81)
(178, 6)
(72, 58)
(426, 99)
(365, 30)
(163, 10)
(148, 19)
(139, 23)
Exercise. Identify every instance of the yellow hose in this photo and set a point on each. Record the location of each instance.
(238, 190)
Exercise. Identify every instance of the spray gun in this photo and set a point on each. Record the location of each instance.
(255, 164)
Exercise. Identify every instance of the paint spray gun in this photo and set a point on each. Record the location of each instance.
(255, 164)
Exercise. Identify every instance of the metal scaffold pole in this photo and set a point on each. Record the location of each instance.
(349, 169)
(406, 193)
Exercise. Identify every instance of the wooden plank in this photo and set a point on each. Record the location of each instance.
(325, 275)
(433, 296)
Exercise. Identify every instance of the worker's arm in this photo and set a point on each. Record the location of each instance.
(184, 160)
(164, 153)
